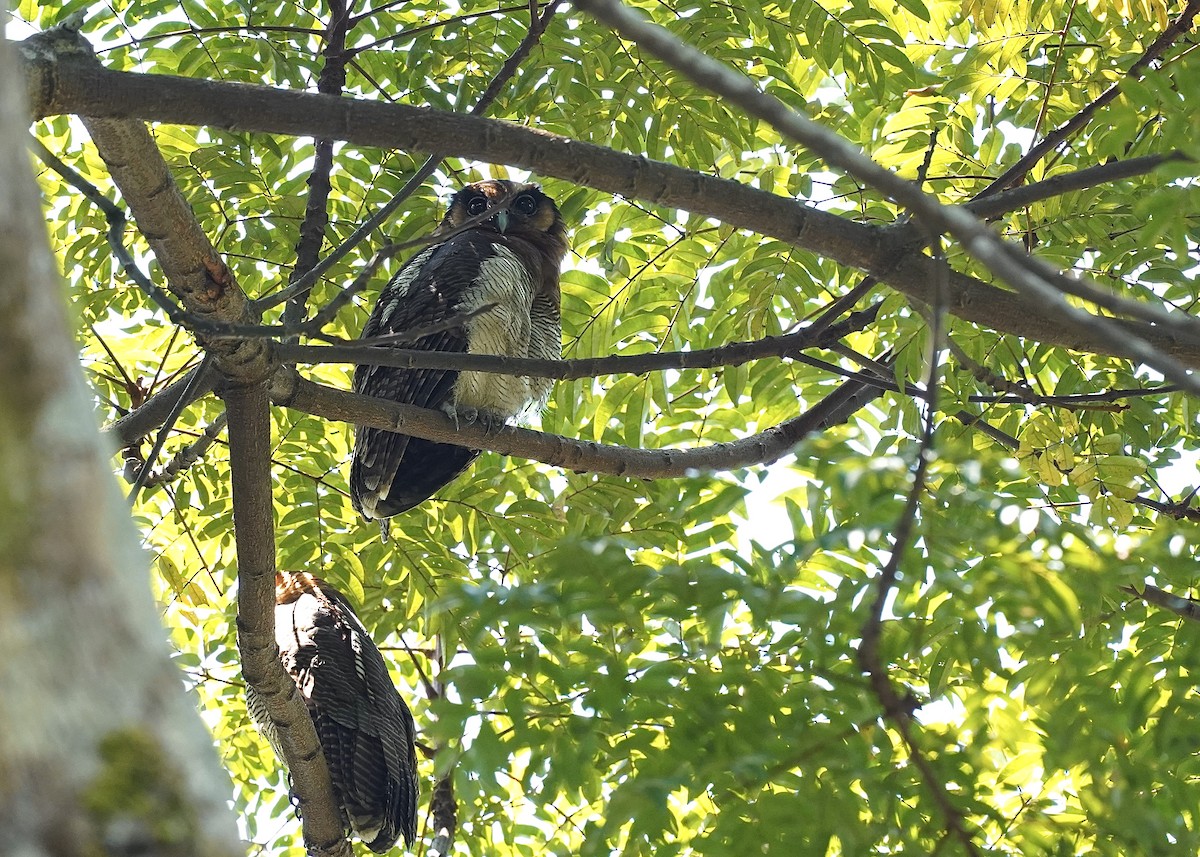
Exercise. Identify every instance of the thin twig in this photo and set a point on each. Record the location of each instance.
(443, 806)
(190, 455)
(1179, 510)
(316, 209)
(898, 709)
(424, 28)
(418, 178)
(1020, 197)
(733, 354)
(923, 170)
(115, 218)
(197, 32)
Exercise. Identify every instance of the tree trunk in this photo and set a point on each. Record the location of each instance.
(101, 748)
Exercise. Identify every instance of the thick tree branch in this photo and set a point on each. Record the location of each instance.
(306, 396)
(154, 411)
(443, 808)
(194, 272)
(254, 531)
(79, 84)
(971, 300)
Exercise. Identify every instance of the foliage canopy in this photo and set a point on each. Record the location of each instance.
(673, 666)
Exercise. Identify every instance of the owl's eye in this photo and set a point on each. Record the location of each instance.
(477, 205)
(525, 204)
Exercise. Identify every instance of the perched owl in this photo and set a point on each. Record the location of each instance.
(365, 729)
(510, 261)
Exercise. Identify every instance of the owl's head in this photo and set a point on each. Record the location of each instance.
(521, 210)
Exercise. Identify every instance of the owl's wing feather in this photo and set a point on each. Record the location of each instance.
(365, 729)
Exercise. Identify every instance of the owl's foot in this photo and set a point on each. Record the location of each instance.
(489, 420)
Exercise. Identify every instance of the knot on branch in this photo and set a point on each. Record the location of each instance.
(218, 280)
(241, 362)
(285, 384)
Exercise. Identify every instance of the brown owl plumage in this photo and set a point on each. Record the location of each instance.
(511, 260)
(365, 729)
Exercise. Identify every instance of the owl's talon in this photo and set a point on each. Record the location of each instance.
(459, 416)
(491, 421)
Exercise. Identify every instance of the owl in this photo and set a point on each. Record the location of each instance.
(365, 729)
(499, 274)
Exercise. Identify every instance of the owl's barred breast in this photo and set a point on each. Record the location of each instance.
(505, 329)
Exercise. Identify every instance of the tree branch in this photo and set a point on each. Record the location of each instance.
(1188, 608)
(443, 807)
(1021, 168)
(194, 271)
(188, 456)
(254, 531)
(293, 391)
(898, 709)
(74, 83)
(186, 395)
(1028, 275)
(316, 214)
(536, 28)
(1011, 200)
(846, 242)
(155, 410)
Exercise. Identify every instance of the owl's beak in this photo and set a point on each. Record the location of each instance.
(501, 219)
